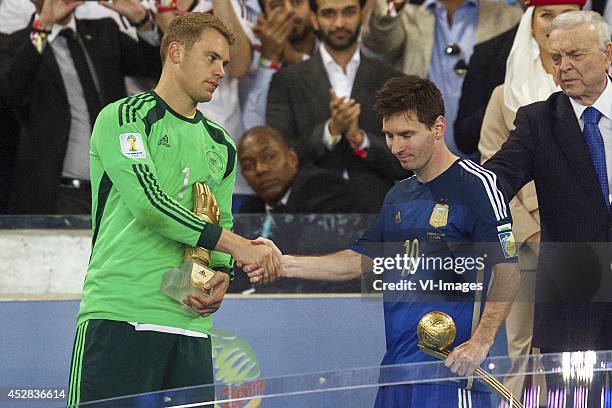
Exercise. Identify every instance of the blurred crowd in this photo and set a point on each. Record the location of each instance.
(297, 96)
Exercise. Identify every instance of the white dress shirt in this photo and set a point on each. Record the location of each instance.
(604, 105)
(342, 83)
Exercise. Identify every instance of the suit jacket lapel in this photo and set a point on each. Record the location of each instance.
(364, 73)
(51, 63)
(320, 87)
(571, 139)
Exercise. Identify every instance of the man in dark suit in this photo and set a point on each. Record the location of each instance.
(323, 106)
(56, 74)
(486, 70)
(562, 144)
(270, 167)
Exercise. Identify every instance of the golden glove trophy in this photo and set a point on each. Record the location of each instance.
(436, 331)
(190, 277)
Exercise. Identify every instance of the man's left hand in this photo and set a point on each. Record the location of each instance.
(467, 357)
(133, 10)
(205, 305)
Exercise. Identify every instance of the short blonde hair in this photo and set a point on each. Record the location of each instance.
(187, 28)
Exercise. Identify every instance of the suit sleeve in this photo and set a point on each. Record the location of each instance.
(473, 103)
(279, 109)
(138, 57)
(513, 163)
(19, 66)
(122, 148)
(385, 34)
(494, 134)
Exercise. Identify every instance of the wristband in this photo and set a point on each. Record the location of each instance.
(266, 63)
(38, 36)
(166, 5)
(361, 153)
(138, 25)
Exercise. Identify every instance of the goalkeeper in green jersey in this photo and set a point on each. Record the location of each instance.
(147, 151)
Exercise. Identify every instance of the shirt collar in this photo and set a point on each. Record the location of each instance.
(282, 201)
(431, 4)
(57, 28)
(602, 104)
(329, 61)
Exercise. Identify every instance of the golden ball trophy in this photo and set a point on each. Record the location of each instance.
(192, 275)
(436, 331)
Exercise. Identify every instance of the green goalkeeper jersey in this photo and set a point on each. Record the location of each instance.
(145, 158)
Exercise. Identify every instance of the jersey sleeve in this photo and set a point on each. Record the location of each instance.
(490, 220)
(219, 260)
(122, 148)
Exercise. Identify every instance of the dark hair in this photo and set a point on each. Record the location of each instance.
(187, 29)
(410, 94)
(264, 131)
(314, 6)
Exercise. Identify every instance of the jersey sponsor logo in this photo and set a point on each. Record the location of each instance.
(132, 145)
(215, 162)
(439, 216)
(163, 141)
(504, 228)
(508, 244)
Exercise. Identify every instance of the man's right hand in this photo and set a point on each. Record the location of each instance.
(251, 254)
(273, 31)
(343, 113)
(54, 11)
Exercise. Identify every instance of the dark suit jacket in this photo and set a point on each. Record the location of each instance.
(315, 191)
(31, 83)
(486, 70)
(298, 106)
(548, 147)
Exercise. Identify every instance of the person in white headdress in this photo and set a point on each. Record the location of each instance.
(528, 79)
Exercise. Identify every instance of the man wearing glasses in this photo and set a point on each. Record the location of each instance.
(436, 39)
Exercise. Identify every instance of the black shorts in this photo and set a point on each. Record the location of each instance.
(111, 359)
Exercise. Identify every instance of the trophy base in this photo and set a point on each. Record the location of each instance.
(187, 279)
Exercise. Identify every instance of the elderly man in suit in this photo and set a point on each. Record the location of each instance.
(56, 74)
(436, 39)
(564, 144)
(323, 106)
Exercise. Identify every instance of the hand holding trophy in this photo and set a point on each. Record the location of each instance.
(436, 331)
(194, 273)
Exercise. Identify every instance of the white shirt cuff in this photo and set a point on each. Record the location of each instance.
(328, 139)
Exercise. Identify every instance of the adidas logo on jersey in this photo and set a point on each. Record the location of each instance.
(163, 141)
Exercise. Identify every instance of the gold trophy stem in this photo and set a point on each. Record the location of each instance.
(483, 376)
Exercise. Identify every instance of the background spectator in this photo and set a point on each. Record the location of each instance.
(435, 40)
(562, 145)
(271, 169)
(56, 74)
(528, 79)
(336, 130)
(286, 37)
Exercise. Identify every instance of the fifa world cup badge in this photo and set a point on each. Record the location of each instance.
(439, 216)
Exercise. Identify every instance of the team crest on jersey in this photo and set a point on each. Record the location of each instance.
(508, 244)
(132, 145)
(215, 162)
(163, 141)
(398, 217)
(439, 216)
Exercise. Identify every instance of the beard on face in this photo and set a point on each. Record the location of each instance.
(299, 33)
(339, 44)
